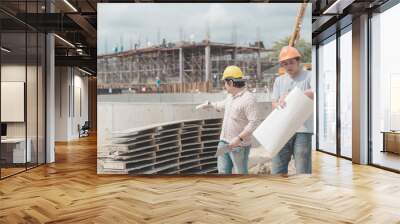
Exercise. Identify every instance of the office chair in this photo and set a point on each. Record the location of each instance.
(84, 130)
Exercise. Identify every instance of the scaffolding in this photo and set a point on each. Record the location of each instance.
(182, 64)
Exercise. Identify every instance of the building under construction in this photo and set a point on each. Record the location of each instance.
(181, 67)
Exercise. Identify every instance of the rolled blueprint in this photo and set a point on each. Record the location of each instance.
(282, 123)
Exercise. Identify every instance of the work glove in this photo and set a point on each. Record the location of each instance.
(204, 105)
(227, 148)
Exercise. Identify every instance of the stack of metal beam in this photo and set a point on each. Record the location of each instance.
(184, 147)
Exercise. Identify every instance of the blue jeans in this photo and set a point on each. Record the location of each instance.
(300, 147)
(238, 159)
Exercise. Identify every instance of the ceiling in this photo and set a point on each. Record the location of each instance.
(74, 21)
(330, 15)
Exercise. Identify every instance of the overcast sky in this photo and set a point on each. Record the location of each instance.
(150, 22)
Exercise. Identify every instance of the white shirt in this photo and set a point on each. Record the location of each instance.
(240, 114)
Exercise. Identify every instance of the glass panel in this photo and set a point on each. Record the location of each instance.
(327, 97)
(346, 94)
(13, 87)
(41, 99)
(31, 100)
(23, 82)
(385, 90)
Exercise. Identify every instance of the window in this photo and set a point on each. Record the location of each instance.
(385, 89)
(346, 93)
(327, 96)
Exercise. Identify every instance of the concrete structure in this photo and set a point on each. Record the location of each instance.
(178, 63)
(182, 147)
(118, 116)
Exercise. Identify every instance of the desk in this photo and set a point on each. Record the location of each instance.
(13, 150)
(391, 141)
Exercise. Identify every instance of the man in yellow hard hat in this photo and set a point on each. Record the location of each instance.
(299, 146)
(240, 120)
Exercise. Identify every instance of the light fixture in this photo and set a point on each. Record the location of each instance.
(80, 51)
(5, 50)
(65, 41)
(86, 72)
(338, 6)
(70, 5)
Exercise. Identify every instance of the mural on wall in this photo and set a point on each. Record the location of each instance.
(178, 83)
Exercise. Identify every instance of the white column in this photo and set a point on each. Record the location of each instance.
(360, 90)
(180, 65)
(207, 63)
(259, 65)
(50, 98)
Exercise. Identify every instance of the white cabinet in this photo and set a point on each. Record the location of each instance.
(17, 147)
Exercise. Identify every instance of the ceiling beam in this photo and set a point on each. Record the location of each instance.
(337, 7)
(86, 26)
(77, 61)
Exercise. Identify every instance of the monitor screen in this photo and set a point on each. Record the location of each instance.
(3, 129)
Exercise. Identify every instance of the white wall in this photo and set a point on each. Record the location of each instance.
(12, 73)
(79, 117)
(69, 85)
(61, 103)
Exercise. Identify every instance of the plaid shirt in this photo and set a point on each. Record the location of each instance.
(240, 114)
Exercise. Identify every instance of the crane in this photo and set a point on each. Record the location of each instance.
(296, 33)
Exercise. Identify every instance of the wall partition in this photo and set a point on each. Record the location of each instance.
(22, 78)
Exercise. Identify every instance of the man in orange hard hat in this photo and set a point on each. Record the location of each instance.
(299, 146)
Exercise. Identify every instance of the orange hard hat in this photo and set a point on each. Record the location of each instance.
(288, 52)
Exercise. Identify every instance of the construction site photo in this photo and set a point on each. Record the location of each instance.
(164, 69)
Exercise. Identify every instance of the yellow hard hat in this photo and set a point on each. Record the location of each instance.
(233, 72)
(288, 52)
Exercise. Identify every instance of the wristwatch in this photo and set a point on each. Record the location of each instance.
(241, 139)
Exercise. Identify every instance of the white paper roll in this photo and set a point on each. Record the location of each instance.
(282, 123)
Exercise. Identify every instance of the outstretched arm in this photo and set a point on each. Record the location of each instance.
(219, 106)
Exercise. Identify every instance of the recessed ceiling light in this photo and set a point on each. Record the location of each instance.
(5, 50)
(65, 41)
(338, 6)
(70, 5)
(86, 72)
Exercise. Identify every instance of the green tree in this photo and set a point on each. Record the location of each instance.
(303, 46)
